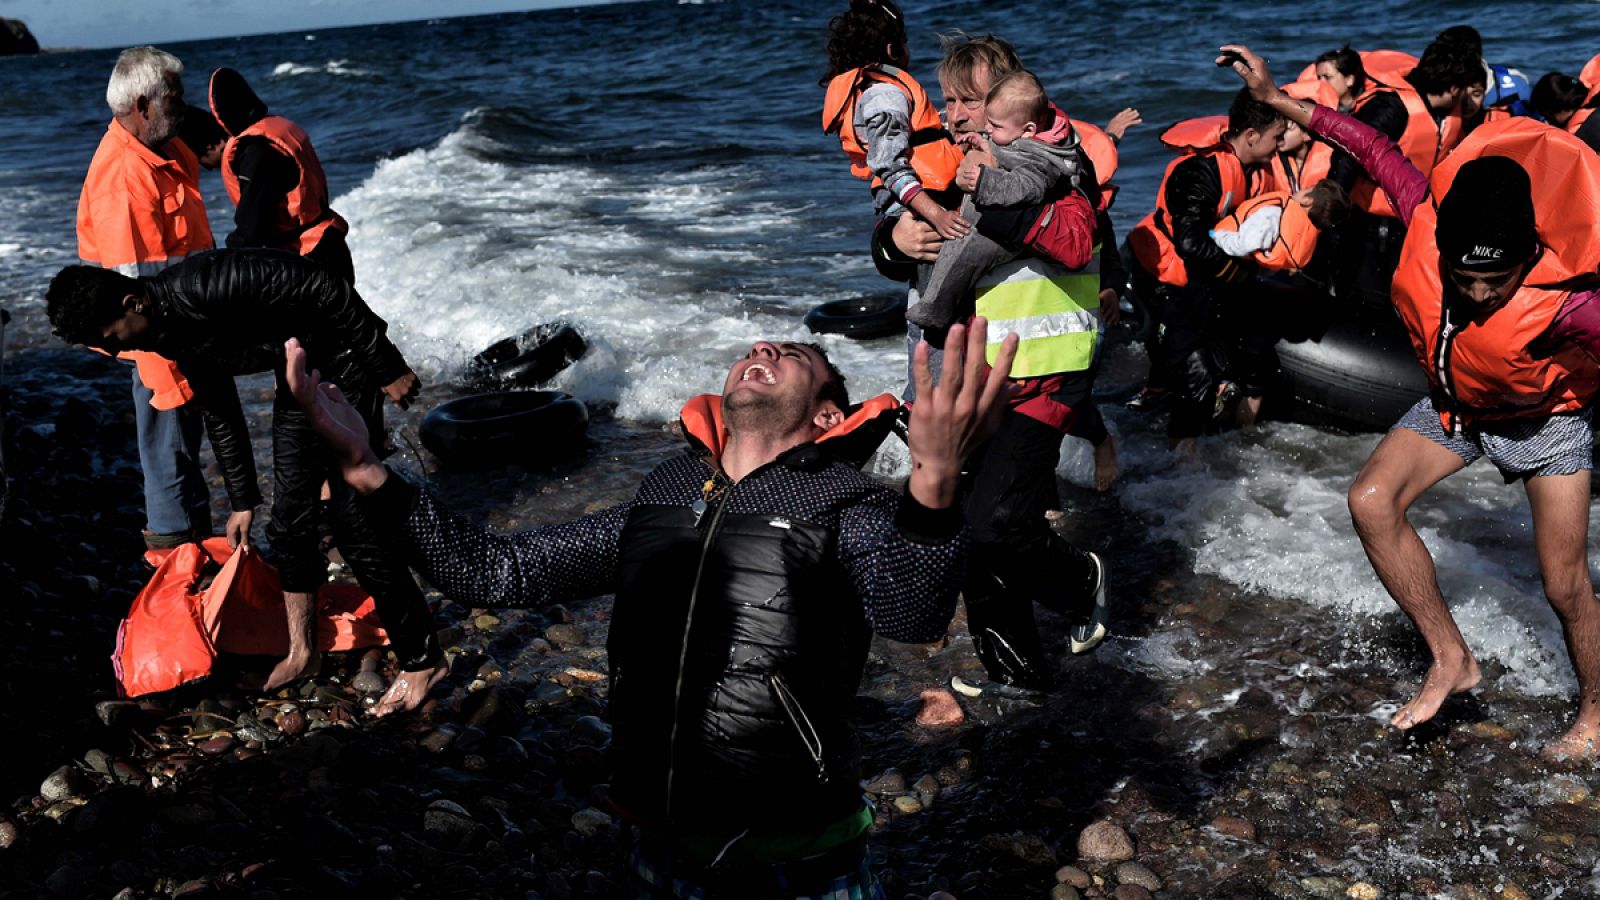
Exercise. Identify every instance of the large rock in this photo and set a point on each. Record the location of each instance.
(16, 39)
(1106, 842)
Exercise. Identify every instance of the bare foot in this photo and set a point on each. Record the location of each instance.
(292, 668)
(1105, 464)
(409, 690)
(1442, 681)
(1581, 744)
(1186, 450)
(1247, 412)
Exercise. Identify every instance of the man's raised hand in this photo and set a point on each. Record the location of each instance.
(950, 420)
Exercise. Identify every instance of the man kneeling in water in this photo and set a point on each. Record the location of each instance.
(1501, 306)
(749, 575)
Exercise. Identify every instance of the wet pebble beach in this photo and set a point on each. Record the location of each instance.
(1227, 744)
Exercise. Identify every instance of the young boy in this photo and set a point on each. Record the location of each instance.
(1279, 230)
(1037, 155)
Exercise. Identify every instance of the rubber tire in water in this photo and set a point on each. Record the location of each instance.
(860, 318)
(527, 428)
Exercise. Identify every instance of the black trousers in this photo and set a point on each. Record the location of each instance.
(301, 462)
(1016, 559)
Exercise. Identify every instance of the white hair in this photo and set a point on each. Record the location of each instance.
(140, 72)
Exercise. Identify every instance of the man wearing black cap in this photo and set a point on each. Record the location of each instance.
(1502, 307)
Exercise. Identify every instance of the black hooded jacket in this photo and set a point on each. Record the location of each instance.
(226, 313)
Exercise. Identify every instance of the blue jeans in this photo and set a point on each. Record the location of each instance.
(176, 499)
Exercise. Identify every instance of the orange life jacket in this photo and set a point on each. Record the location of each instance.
(1578, 118)
(139, 212)
(867, 423)
(305, 216)
(1590, 76)
(934, 156)
(175, 628)
(1292, 174)
(1151, 238)
(1486, 370)
(1425, 141)
(1297, 237)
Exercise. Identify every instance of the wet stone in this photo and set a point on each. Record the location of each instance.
(1106, 841)
(1074, 876)
(99, 761)
(565, 636)
(1063, 891)
(1131, 892)
(1137, 873)
(906, 804)
(486, 622)
(118, 713)
(891, 781)
(447, 818)
(440, 739)
(505, 751)
(64, 782)
(9, 834)
(591, 731)
(369, 682)
(1030, 848)
(470, 739)
(218, 745)
(1234, 826)
(939, 710)
(549, 693)
(590, 821)
(1368, 803)
(126, 772)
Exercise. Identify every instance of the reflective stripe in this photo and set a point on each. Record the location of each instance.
(1052, 310)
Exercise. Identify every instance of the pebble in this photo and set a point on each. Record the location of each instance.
(118, 713)
(440, 739)
(565, 636)
(1030, 848)
(99, 761)
(1137, 873)
(1361, 890)
(486, 622)
(9, 834)
(590, 821)
(1563, 789)
(892, 781)
(906, 804)
(64, 782)
(218, 745)
(291, 721)
(1234, 826)
(1105, 841)
(1064, 891)
(591, 731)
(1074, 876)
(448, 818)
(369, 682)
(1131, 892)
(939, 710)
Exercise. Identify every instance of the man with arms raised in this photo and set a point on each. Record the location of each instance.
(749, 575)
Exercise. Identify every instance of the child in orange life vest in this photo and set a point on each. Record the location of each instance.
(1037, 152)
(1279, 230)
(886, 122)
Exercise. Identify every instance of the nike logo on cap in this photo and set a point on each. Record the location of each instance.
(1480, 254)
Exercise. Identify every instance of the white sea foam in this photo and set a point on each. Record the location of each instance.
(331, 67)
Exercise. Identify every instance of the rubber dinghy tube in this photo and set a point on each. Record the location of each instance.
(528, 359)
(527, 428)
(860, 318)
(1359, 374)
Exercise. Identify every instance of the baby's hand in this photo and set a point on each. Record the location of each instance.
(949, 224)
(967, 175)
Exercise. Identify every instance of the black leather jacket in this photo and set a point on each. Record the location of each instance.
(740, 629)
(1193, 193)
(226, 313)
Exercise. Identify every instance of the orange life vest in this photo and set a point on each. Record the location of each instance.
(1485, 369)
(934, 156)
(1151, 238)
(1424, 142)
(139, 212)
(855, 438)
(175, 628)
(1297, 237)
(1578, 118)
(1590, 76)
(305, 216)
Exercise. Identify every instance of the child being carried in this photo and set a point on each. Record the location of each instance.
(1037, 156)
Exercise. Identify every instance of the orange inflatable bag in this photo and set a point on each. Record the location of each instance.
(179, 623)
(1590, 76)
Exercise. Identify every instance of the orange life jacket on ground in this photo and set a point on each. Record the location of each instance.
(934, 156)
(1151, 238)
(175, 627)
(305, 216)
(1297, 237)
(1485, 370)
(139, 212)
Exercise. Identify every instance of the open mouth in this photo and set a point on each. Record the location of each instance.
(757, 370)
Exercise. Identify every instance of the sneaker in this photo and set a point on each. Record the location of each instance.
(1087, 635)
(994, 690)
(1150, 399)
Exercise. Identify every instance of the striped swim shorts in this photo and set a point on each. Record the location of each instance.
(1520, 448)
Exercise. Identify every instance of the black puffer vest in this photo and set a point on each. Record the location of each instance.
(737, 646)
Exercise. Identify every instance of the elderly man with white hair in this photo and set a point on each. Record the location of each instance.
(140, 211)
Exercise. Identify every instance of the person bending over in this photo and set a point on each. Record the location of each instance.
(1498, 291)
(226, 313)
(749, 574)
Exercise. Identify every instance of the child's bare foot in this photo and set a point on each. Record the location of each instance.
(1443, 680)
(1581, 744)
(1105, 464)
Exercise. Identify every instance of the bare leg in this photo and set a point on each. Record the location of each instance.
(1404, 466)
(1248, 411)
(1105, 464)
(304, 658)
(1560, 506)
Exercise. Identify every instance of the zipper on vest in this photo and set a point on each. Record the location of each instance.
(1441, 358)
(688, 624)
(802, 722)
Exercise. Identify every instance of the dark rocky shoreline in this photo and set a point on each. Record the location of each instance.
(1230, 750)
